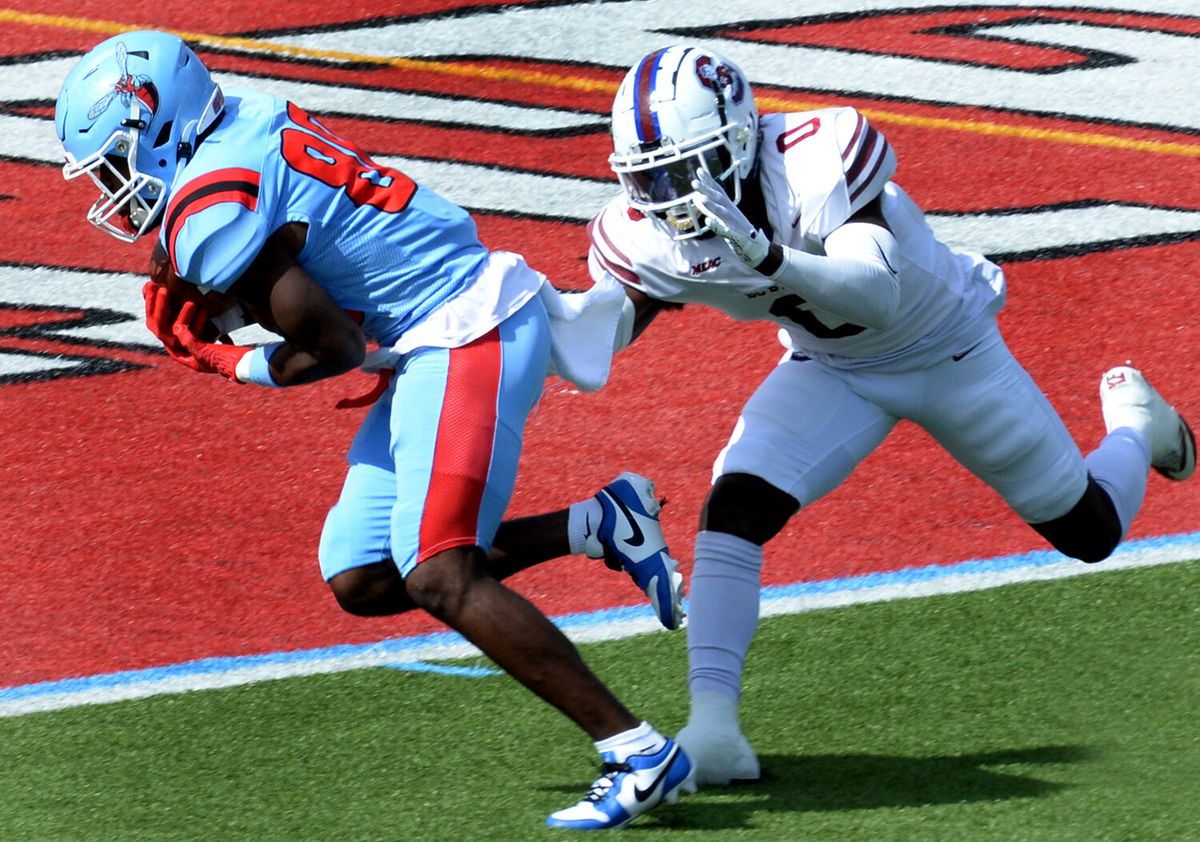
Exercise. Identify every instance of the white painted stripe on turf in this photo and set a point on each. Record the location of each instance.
(446, 669)
(976, 575)
(610, 624)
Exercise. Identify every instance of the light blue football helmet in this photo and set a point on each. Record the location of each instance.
(129, 115)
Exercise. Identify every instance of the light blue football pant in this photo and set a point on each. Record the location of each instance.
(434, 463)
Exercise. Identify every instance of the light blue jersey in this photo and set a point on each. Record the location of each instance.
(465, 333)
(378, 243)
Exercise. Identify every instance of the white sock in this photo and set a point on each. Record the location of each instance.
(583, 523)
(643, 739)
(1120, 466)
(722, 612)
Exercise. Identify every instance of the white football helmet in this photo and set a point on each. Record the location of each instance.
(679, 109)
(128, 115)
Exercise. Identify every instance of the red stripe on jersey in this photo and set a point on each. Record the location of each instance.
(462, 455)
(231, 174)
(862, 121)
(619, 271)
(233, 184)
(201, 203)
(597, 227)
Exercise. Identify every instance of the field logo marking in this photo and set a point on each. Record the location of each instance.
(1151, 59)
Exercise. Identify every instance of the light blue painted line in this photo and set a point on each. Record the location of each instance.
(393, 651)
(217, 666)
(444, 669)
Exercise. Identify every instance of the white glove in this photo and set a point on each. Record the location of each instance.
(728, 222)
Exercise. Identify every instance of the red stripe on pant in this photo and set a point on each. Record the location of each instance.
(462, 455)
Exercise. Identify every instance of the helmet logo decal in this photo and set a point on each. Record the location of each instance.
(720, 78)
(128, 87)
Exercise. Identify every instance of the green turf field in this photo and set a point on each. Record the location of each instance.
(1049, 711)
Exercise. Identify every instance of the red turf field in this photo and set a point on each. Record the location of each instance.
(156, 515)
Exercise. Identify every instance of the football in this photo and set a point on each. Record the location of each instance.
(215, 304)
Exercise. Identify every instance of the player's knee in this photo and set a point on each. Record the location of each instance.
(442, 585)
(748, 507)
(1090, 531)
(1090, 548)
(349, 591)
(342, 551)
(368, 591)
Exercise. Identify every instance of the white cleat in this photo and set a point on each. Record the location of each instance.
(1128, 400)
(720, 756)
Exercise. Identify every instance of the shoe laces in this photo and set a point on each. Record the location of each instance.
(606, 781)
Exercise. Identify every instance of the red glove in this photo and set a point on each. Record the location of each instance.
(204, 356)
(161, 313)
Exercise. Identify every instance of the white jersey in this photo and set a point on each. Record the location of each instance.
(816, 169)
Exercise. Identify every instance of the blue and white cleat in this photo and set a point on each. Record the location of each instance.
(626, 790)
(632, 539)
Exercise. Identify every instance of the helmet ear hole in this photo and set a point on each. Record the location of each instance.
(164, 135)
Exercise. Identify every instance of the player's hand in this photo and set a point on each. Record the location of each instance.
(207, 356)
(161, 312)
(727, 221)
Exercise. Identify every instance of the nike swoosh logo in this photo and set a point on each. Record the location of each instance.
(961, 354)
(587, 525)
(642, 794)
(638, 537)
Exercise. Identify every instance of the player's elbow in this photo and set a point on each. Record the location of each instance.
(347, 353)
(334, 353)
(885, 311)
(880, 307)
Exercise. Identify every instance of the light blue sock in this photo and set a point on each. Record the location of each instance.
(1120, 466)
(722, 611)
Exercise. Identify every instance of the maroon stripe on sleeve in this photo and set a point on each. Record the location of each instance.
(870, 179)
(854, 137)
(866, 154)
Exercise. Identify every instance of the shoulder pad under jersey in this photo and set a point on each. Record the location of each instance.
(832, 161)
(867, 158)
(212, 228)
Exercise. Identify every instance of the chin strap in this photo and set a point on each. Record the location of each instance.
(196, 130)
